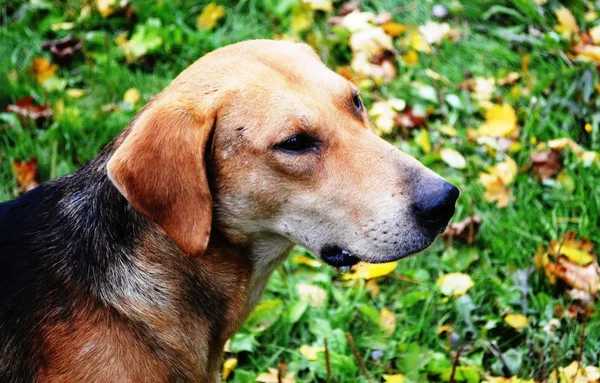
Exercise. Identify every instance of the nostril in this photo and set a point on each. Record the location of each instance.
(435, 205)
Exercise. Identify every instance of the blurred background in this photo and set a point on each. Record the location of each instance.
(501, 97)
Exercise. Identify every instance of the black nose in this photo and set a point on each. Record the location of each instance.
(434, 204)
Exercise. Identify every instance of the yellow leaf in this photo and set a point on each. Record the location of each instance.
(314, 295)
(228, 367)
(446, 328)
(132, 96)
(448, 130)
(210, 16)
(43, 70)
(415, 41)
(422, 139)
(595, 34)
(454, 284)
(411, 58)
(501, 121)
(302, 19)
(310, 352)
(367, 271)
(516, 321)
(387, 321)
(396, 378)
(394, 29)
(453, 158)
(319, 5)
(273, 377)
(577, 256)
(590, 16)
(302, 260)
(589, 52)
(496, 181)
(75, 93)
(567, 25)
(106, 7)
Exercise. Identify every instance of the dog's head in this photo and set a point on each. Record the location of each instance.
(280, 146)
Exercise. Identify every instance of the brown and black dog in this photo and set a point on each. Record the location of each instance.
(140, 266)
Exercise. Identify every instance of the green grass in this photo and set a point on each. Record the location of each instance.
(563, 97)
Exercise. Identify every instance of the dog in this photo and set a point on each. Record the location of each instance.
(142, 264)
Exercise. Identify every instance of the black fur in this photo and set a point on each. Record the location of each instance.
(73, 242)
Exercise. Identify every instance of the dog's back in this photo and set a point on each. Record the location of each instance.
(27, 290)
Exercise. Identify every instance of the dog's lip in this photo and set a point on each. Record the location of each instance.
(338, 257)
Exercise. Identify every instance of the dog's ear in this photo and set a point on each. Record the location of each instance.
(160, 169)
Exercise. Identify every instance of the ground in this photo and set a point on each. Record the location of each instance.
(499, 97)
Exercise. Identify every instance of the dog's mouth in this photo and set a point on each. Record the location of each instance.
(337, 257)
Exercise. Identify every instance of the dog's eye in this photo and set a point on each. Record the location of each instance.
(357, 101)
(298, 144)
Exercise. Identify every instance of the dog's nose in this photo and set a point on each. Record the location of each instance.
(434, 205)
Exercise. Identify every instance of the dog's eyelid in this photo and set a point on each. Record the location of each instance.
(298, 143)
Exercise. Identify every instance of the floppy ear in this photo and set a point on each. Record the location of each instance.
(160, 169)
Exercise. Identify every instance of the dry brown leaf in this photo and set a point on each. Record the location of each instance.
(28, 110)
(546, 164)
(465, 230)
(64, 49)
(27, 174)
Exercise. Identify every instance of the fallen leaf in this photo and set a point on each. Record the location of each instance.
(371, 41)
(387, 321)
(314, 295)
(500, 121)
(27, 174)
(43, 69)
(302, 18)
(75, 93)
(273, 377)
(311, 352)
(594, 33)
(434, 32)
(147, 38)
(64, 49)
(465, 230)
(575, 373)
(567, 25)
(210, 16)
(357, 20)
(410, 58)
(228, 367)
(303, 260)
(132, 96)
(496, 182)
(372, 287)
(571, 261)
(363, 270)
(106, 7)
(546, 164)
(516, 321)
(319, 5)
(383, 114)
(28, 110)
(411, 118)
(454, 284)
(576, 251)
(396, 378)
(423, 141)
(394, 29)
(509, 79)
(453, 158)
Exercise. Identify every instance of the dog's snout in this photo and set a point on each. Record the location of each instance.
(434, 204)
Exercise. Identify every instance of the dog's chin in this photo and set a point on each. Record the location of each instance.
(343, 259)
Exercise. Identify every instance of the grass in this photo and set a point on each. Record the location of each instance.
(555, 98)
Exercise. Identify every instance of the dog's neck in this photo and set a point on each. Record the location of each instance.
(189, 306)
